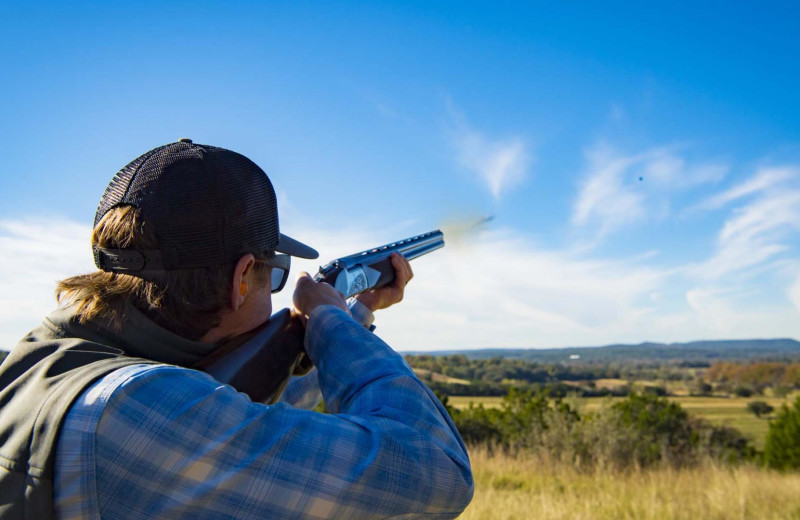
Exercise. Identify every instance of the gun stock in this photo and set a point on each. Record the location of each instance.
(260, 363)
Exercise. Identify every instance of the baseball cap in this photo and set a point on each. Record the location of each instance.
(207, 205)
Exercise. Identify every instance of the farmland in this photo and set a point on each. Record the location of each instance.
(566, 467)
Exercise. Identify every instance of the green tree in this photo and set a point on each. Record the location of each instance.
(782, 448)
(663, 428)
(701, 388)
(477, 424)
(759, 408)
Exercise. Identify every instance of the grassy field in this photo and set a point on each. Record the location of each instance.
(426, 374)
(718, 410)
(523, 488)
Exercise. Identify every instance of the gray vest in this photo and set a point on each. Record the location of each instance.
(41, 378)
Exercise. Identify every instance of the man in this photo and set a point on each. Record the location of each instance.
(101, 415)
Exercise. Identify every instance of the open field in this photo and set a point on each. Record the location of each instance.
(436, 377)
(463, 401)
(717, 410)
(521, 488)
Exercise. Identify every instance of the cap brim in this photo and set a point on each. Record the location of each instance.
(292, 247)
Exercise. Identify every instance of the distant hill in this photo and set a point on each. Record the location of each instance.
(707, 351)
(696, 351)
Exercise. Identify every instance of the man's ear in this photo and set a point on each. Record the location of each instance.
(239, 287)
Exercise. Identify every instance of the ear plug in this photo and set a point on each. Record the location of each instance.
(243, 289)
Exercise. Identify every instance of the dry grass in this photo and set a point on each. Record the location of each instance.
(523, 487)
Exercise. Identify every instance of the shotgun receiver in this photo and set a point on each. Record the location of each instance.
(260, 362)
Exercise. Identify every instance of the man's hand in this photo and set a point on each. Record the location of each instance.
(388, 295)
(308, 295)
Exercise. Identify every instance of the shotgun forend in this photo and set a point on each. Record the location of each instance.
(372, 268)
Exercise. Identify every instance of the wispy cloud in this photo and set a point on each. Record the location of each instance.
(723, 312)
(607, 197)
(501, 163)
(711, 306)
(794, 294)
(739, 288)
(764, 179)
(619, 190)
(34, 254)
(758, 230)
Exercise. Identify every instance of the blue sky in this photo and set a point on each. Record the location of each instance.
(379, 120)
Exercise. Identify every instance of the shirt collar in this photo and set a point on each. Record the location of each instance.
(138, 337)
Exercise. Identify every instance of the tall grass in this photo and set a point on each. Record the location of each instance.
(525, 486)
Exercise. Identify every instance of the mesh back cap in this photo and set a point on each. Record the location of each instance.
(207, 205)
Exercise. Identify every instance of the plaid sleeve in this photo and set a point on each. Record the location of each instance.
(303, 391)
(174, 443)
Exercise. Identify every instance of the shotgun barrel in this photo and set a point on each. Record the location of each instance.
(372, 268)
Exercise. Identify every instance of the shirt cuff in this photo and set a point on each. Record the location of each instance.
(361, 314)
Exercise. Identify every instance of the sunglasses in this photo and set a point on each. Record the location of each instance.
(280, 270)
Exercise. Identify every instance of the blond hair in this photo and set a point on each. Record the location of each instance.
(187, 302)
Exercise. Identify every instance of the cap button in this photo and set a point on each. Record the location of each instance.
(185, 140)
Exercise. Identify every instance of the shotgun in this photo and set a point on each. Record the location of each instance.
(260, 362)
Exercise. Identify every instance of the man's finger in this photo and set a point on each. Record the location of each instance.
(402, 269)
(302, 278)
(407, 267)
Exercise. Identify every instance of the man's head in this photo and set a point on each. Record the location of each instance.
(179, 232)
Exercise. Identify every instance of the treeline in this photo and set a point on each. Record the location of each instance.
(500, 370)
(649, 352)
(638, 432)
(496, 376)
(481, 389)
(755, 377)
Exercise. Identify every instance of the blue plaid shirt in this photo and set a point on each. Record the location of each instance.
(167, 442)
